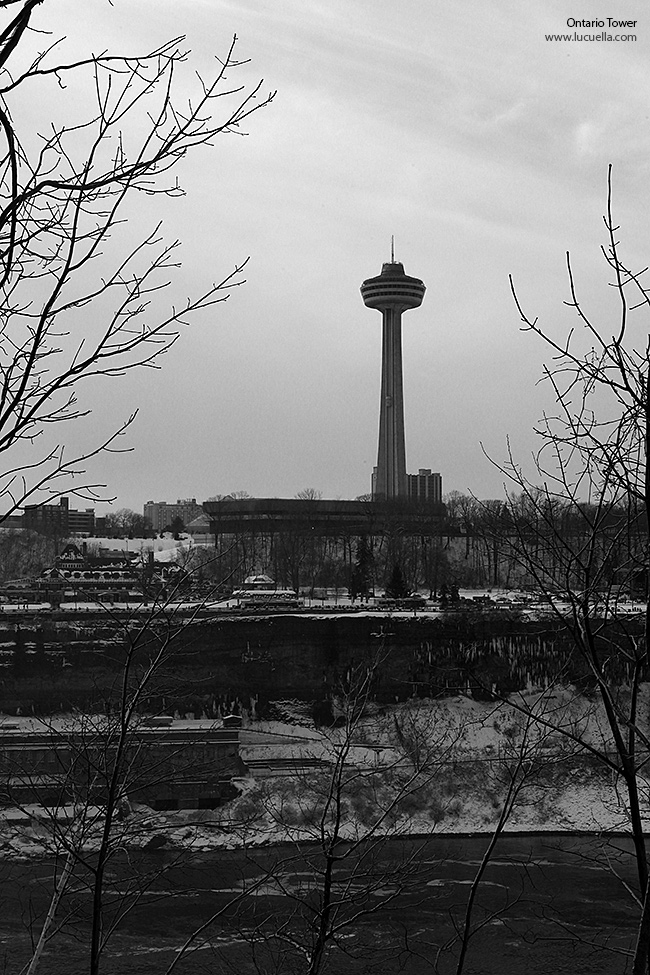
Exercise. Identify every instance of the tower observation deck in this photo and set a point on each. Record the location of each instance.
(392, 292)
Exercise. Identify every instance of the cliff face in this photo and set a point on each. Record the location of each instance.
(215, 665)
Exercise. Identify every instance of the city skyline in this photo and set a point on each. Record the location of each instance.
(481, 146)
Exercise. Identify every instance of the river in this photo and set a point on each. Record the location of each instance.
(548, 904)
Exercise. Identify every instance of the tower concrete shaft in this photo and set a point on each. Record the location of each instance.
(392, 292)
(391, 455)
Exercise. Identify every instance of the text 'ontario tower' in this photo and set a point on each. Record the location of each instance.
(392, 292)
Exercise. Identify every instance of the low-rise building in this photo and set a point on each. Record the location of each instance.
(110, 577)
(168, 764)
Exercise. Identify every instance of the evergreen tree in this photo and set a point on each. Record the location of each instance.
(361, 575)
(397, 588)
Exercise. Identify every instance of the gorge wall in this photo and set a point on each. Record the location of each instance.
(220, 664)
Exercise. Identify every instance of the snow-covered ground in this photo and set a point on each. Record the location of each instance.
(417, 767)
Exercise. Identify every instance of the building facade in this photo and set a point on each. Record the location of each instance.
(59, 520)
(171, 764)
(160, 515)
(425, 486)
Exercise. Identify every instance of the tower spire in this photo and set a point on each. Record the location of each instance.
(392, 248)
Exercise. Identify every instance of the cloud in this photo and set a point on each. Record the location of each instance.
(456, 127)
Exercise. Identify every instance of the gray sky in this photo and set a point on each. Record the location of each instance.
(454, 126)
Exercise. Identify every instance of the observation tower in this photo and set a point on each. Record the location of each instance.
(392, 292)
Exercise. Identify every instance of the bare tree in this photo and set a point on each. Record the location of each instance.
(124, 521)
(357, 792)
(309, 494)
(23, 554)
(580, 529)
(88, 771)
(347, 866)
(80, 297)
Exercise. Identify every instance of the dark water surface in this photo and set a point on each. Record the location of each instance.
(550, 904)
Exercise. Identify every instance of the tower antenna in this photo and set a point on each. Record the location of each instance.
(392, 248)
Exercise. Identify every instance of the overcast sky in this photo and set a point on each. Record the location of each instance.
(454, 126)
